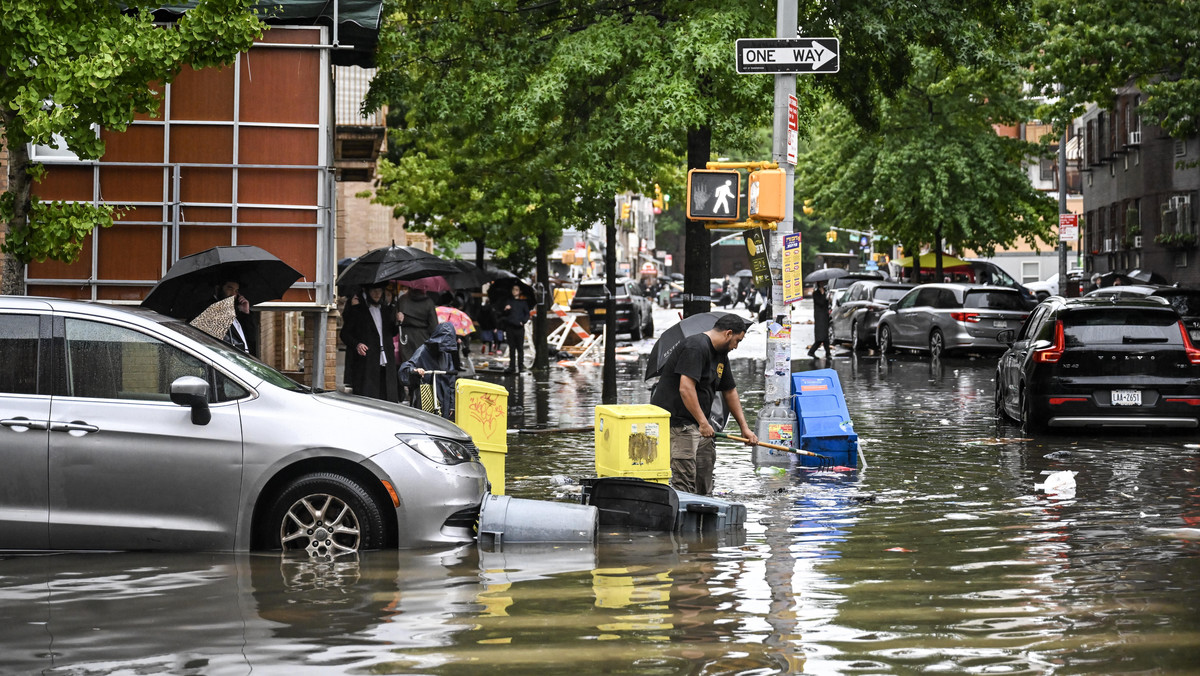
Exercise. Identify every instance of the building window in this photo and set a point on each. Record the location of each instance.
(1180, 148)
(1031, 271)
(1046, 169)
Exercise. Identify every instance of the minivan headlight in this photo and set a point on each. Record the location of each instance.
(437, 449)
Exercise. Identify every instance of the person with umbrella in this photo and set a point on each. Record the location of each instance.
(695, 371)
(243, 331)
(416, 314)
(367, 331)
(820, 320)
(436, 364)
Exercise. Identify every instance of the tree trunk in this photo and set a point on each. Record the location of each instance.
(20, 185)
(937, 256)
(697, 264)
(541, 319)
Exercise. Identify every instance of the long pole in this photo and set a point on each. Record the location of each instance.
(1062, 209)
(779, 342)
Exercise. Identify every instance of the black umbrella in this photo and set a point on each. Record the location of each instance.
(500, 289)
(1114, 277)
(1147, 276)
(673, 336)
(188, 286)
(824, 275)
(468, 277)
(743, 273)
(394, 263)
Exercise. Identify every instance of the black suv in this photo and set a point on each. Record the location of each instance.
(635, 312)
(1100, 362)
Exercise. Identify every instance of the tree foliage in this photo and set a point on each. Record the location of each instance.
(934, 163)
(71, 66)
(1082, 52)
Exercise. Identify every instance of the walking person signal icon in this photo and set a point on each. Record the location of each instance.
(714, 195)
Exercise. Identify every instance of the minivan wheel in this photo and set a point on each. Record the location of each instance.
(885, 339)
(325, 515)
(937, 344)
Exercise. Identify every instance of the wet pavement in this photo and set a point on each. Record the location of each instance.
(945, 552)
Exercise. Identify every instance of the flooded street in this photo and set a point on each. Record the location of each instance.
(942, 554)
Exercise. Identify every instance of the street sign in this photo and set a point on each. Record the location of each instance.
(793, 132)
(1068, 227)
(788, 55)
(712, 195)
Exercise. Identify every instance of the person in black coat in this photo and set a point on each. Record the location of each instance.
(820, 321)
(440, 353)
(367, 330)
(513, 314)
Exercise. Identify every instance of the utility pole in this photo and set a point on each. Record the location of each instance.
(778, 370)
(1062, 210)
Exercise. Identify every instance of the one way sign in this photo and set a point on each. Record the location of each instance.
(794, 55)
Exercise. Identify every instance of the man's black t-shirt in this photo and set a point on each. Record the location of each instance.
(698, 359)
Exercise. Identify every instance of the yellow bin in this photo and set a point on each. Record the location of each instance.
(633, 440)
(482, 410)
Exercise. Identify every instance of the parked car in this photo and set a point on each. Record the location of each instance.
(1106, 362)
(1186, 301)
(857, 316)
(1049, 286)
(941, 318)
(125, 429)
(635, 312)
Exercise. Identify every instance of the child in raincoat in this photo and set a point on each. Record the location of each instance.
(432, 370)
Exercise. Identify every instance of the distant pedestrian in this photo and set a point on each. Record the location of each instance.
(431, 372)
(820, 321)
(367, 330)
(696, 370)
(514, 312)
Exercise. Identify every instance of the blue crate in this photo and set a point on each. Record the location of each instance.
(824, 420)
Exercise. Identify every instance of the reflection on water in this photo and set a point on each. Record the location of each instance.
(939, 555)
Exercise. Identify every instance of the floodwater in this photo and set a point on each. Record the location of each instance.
(941, 554)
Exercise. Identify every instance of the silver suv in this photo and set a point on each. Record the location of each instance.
(945, 317)
(125, 429)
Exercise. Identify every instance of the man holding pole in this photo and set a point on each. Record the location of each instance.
(693, 374)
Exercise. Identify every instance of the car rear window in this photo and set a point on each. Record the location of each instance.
(889, 295)
(590, 291)
(995, 300)
(1121, 326)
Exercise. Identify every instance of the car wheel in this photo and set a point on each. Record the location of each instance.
(650, 327)
(998, 400)
(937, 344)
(1031, 422)
(635, 331)
(856, 341)
(324, 514)
(885, 339)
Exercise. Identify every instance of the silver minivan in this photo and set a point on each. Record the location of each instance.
(125, 429)
(941, 318)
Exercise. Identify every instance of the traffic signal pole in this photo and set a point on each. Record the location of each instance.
(777, 408)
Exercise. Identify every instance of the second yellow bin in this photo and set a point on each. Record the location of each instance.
(633, 440)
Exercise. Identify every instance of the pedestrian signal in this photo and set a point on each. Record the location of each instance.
(767, 189)
(712, 195)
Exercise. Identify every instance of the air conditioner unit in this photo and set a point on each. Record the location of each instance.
(1137, 241)
(1135, 138)
(1108, 245)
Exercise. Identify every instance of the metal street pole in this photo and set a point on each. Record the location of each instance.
(1062, 209)
(778, 371)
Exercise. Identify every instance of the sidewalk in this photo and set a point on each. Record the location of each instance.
(754, 346)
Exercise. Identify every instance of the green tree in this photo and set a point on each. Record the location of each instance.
(1083, 51)
(69, 67)
(935, 165)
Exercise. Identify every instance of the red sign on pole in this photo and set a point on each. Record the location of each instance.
(1068, 227)
(793, 141)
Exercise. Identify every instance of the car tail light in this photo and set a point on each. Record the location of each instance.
(1191, 401)
(1051, 354)
(965, 316)
(1055, 401)
(1193, 354)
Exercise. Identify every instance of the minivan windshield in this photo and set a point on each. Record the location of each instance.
(250, 364)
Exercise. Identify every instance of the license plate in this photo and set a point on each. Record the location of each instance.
(600, 310)
(1126, 397)
(1000, 324)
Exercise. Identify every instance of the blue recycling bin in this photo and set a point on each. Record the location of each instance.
(824, 420)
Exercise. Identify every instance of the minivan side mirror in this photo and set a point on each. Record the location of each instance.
(1006, 336)
(192, 391)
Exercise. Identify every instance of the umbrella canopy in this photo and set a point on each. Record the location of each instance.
(469, 276)
(428, 284)
(929, 260)
(499, 290)
(1114, 277)
(1147, 276)
(743, 273)
(672, 337)
(824, 275)
(402, 263)
(461, 321)
(188, 285)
